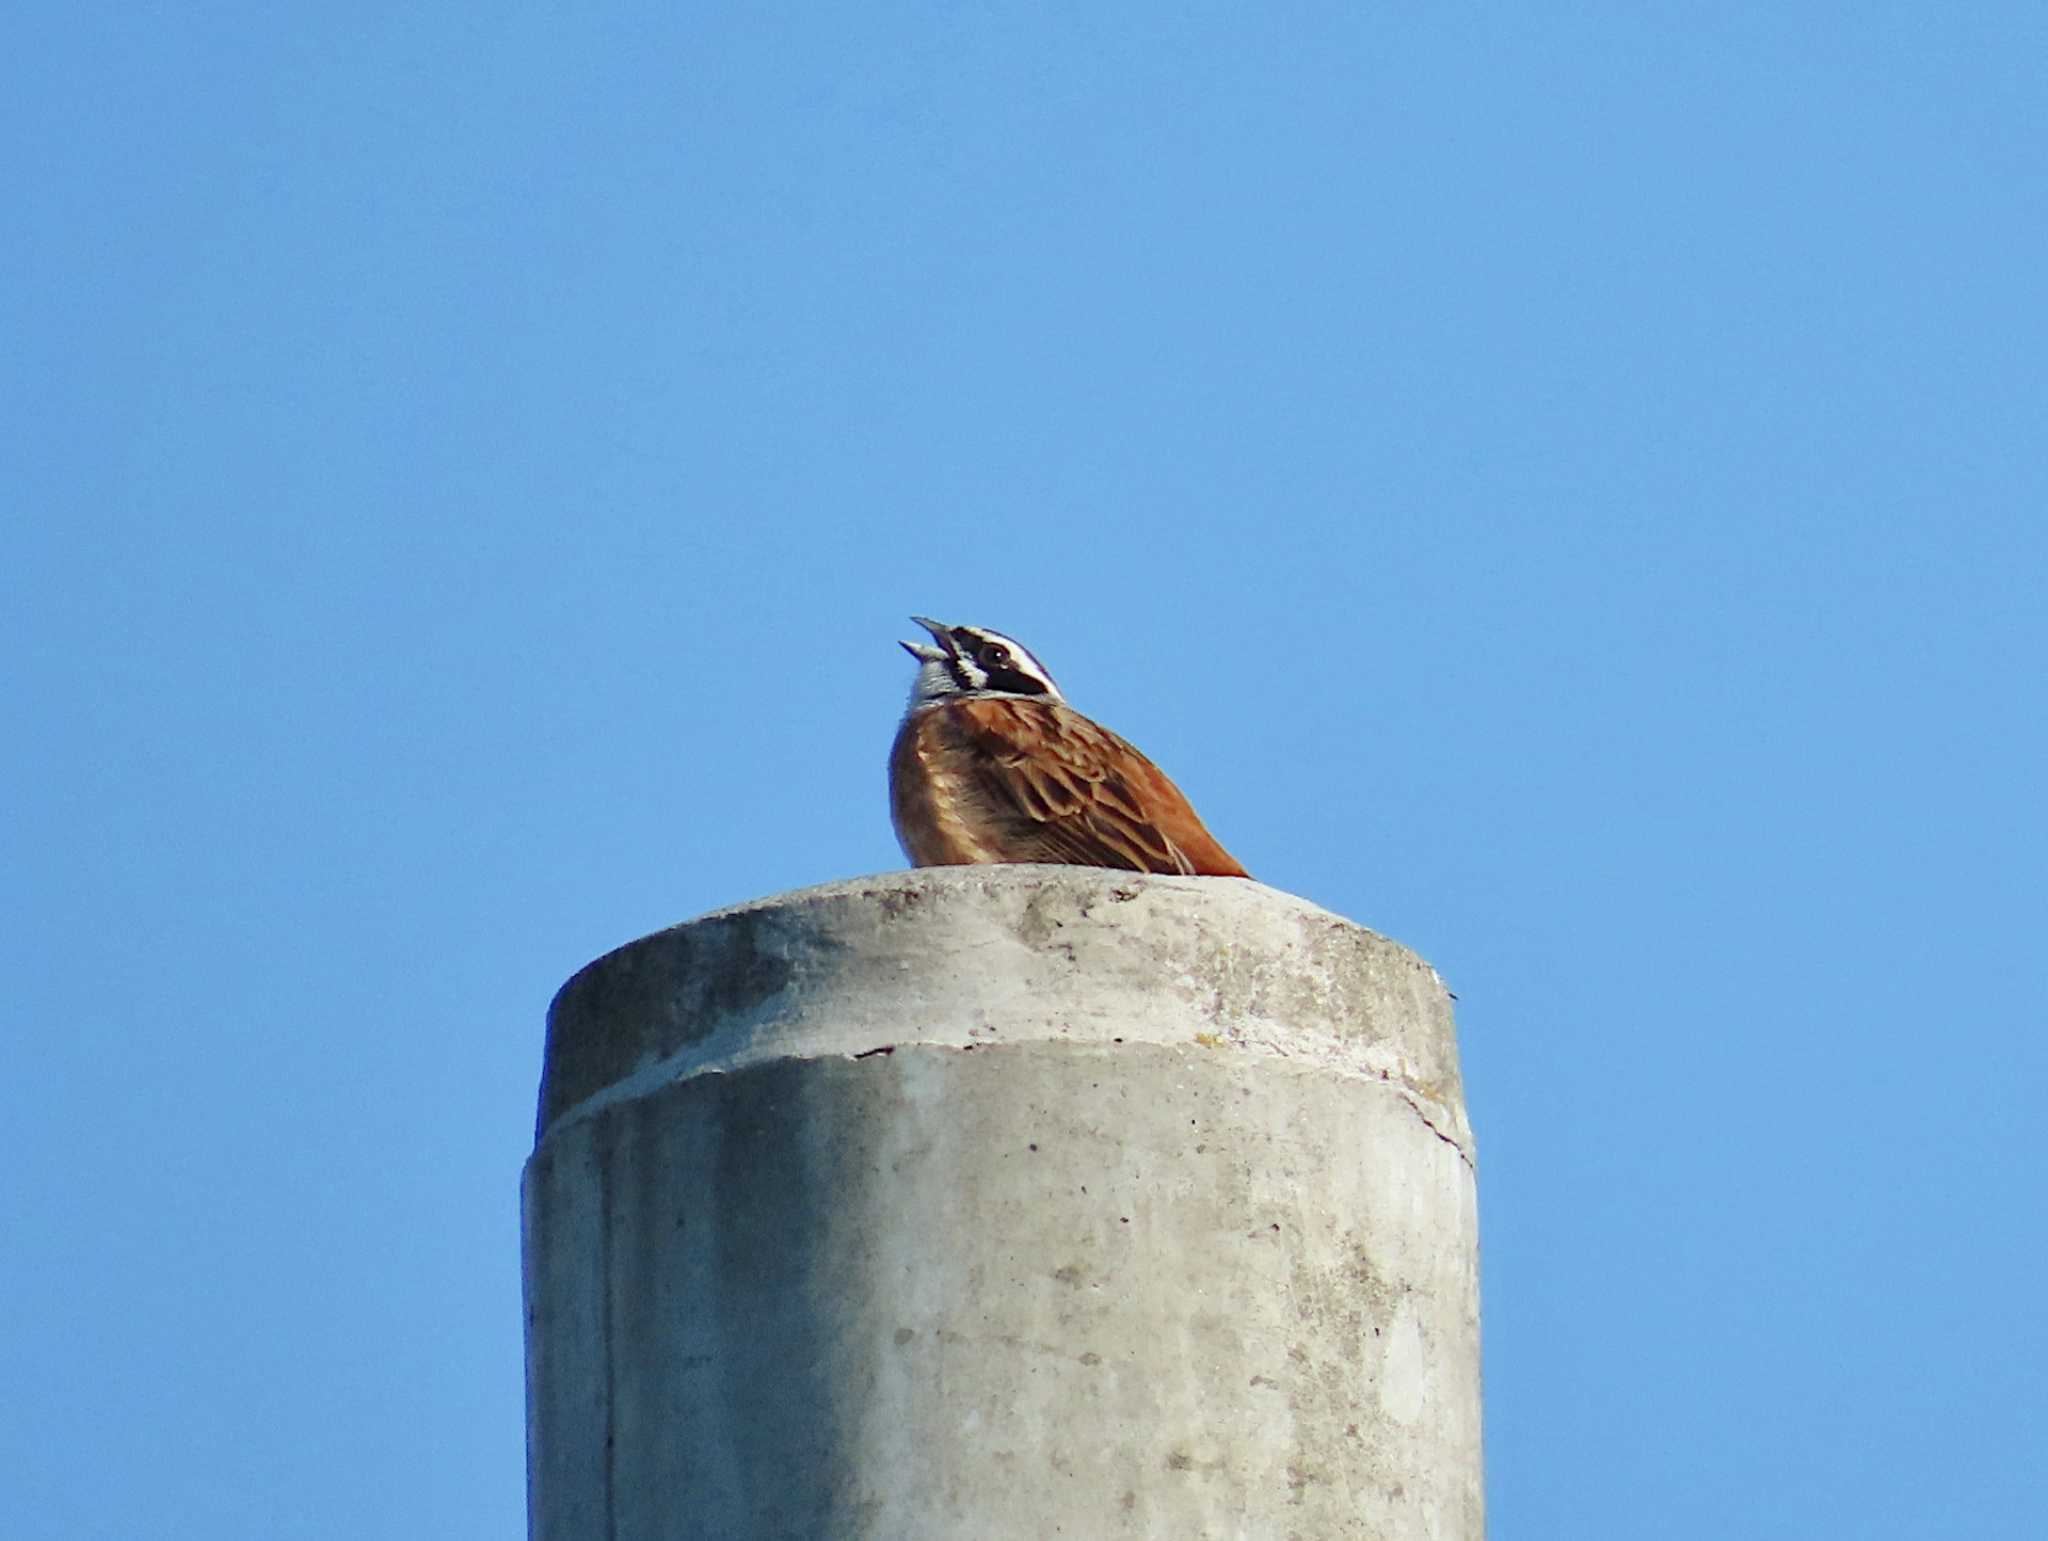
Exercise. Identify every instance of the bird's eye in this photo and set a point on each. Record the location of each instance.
(996, 656)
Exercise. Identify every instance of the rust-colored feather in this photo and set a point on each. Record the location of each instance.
(1023, 779)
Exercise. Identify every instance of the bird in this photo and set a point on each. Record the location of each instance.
(992, 765)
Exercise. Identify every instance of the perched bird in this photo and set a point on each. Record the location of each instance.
(992, 765)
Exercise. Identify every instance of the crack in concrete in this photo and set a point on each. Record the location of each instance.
(1416, 1108)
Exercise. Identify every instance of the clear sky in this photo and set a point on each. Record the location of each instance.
(1561, 485)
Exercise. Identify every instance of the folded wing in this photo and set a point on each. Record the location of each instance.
(1082, 795)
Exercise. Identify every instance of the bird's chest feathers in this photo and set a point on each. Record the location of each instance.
(943, 792)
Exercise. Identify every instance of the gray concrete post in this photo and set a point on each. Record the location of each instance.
(978, 1203)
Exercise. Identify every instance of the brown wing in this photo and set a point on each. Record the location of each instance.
(1074, 792)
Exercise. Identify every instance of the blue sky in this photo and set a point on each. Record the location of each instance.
(1564, 489)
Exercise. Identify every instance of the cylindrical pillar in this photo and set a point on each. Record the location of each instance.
(1004, 1202)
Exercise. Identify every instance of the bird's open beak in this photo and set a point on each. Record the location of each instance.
(924, 651)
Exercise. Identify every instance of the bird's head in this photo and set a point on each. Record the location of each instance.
(972, 660)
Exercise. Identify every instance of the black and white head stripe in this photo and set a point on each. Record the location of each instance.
(1002, 663)
(972, 660)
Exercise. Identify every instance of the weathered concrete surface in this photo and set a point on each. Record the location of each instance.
(1003, 1202)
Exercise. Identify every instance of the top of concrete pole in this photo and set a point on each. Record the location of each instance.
(1081, 954)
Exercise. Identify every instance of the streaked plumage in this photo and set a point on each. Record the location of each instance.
(992, 765)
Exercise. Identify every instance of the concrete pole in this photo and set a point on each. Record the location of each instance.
(1004, 1202)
